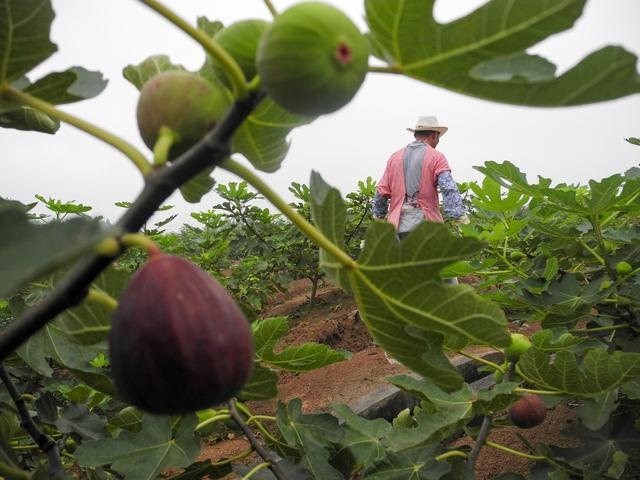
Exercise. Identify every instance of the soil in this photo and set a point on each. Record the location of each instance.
(333, 319)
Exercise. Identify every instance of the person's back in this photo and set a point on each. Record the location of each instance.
(411, 179)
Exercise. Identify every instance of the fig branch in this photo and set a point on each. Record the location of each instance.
(138, 159)
(230, 66)
(298, 220)
(267, 456)
(159, 185)
(44, 442)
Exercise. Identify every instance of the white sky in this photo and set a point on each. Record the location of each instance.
(569, 145)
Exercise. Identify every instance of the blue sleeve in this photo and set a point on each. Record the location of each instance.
(451, 199)
(380, 206)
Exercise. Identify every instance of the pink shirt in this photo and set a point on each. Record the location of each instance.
(392, 184)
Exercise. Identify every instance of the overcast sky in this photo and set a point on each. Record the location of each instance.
(569, 145)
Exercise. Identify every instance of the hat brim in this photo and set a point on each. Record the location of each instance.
(442, 130)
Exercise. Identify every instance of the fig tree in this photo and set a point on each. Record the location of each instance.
(623, 268)
(178, 342)
(313, 59)
(184, 102)
(519, 344)
(528, 412)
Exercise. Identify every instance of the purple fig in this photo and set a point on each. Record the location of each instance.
(178, 342)
(528, 412)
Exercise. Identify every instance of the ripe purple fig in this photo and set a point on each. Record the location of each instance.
(184, 102)
(178, 342)
(528, 412)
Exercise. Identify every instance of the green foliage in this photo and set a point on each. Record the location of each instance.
(482, 54)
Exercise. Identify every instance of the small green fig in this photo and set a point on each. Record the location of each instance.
(178, 342)
(528, 412)
(515, 256)
(519, 344)
(313, 59)
(184, 102)
(606, 284)
(623, 268)
(240, 40)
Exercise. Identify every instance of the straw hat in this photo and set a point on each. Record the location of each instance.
(428, 122)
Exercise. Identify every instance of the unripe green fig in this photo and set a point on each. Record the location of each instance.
(623, 268)
(184, 102)
(519, 344)
(240, 40)
(313, 59)
(516, 256)
(178, 342)
(528, 412)
(606, 284)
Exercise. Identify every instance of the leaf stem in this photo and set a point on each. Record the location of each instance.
(600, 329)
(271, 8)
(312, 232)
(482, 360)
(536, 392)
(102, 298)
(228, 460)
(140, 240)
(214, 419)
(497, 446)
(118, 143)
(592, 251)
(254, 418)
(386, 69)
(257, 446)
(230, 66)
(255, 470)
(46, 443)
(450, 454)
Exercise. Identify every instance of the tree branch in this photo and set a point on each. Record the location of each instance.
(267, 456)
(46, 443)
(159, 185)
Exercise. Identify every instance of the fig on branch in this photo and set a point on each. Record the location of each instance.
(185, 103)
(313, 59)
(519, 344)
(623, 268)
(528, 412)
(178, 342)
(240, 40)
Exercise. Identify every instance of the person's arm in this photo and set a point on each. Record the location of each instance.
(451, 199)
(380, 205)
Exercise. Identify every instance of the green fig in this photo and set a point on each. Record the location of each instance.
(313, 59)
(185, 103)
(623, 268)
(515, 256)
(519, 344)
(240, 40)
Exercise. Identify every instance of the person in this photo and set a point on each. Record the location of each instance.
(411, 180)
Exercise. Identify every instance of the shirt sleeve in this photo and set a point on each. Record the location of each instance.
(451, 199)
(440, 165)
(380, 205)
